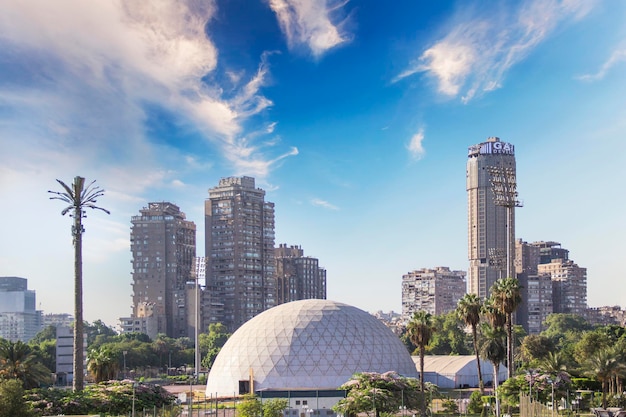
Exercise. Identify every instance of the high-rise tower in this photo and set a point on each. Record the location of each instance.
(163, 246)
(239, 245)
(492, 198)
(298, 277)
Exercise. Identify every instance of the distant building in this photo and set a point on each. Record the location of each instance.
(163, 247)
(436, 291)
(569, 286)
(19, 319)
(550, 282)
(299, 277)
(60, 319)
(606, 315)
(239, 245)
(491, 225)
(65, 355)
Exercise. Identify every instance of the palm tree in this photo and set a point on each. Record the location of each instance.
(468, 310)
(420, 330)
(493, 349)
(18, 361)
(102, 364)
(604, 364)
(79, 198)
(507, 297)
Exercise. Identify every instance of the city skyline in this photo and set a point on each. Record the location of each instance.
(355, 118)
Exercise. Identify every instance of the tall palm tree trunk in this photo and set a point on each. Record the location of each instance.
(481, 384)
(496, 371)
(422, 385)
(78, 382)
(509, 346)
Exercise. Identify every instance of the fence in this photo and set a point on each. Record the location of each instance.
(530, 408)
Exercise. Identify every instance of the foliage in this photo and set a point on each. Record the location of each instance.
(534, 348)
(274, 407)
(475, 404)
(250, 406)
(468, 310)
(17, 361)
(112, 397)
(450, 339)
(384, 393)
(450, 406)
(212, 342)
(102, 364)
(12, 402)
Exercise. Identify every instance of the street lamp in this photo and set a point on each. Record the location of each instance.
(552, 382)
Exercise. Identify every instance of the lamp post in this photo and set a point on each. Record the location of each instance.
(124, 352)
(552, 382)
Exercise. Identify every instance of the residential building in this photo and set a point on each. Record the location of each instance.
(239, 245)
(492, 198)
(163, 247)
(19, 318)
(606, 315)
(298, 277)
(436, 291)
(535, 288)
(569, 286)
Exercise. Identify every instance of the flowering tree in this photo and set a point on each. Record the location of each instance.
(373, 393)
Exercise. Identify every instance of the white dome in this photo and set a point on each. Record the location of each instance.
(308, 344)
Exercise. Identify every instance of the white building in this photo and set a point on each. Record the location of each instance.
(19, 319)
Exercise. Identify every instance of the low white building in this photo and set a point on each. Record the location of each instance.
(458, 371)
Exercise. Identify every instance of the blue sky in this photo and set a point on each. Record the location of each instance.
(354, 116)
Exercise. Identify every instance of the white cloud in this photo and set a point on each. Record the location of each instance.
(619, 55)
(474, 55)
(415, 146)
(309, 23)
(324, 204)
(81, 75)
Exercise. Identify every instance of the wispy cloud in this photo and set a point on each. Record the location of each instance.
(475, 54)
(619, 55)
(415, 146)
(78, 78)
(324, 204)
(309, 23)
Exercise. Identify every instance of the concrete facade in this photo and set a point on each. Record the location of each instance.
(436, 291)
(491, 225)
(298, 277)
(239, 251)
(163, 247)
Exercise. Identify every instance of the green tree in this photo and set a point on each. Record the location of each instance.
(420, 330)
(98, 330)
(468, 310)
(605, 364)
(102, 363)
(374, 393)
(79, 198)
(507, 297)
(12, 403)
(274, 407)
(450, 339)
(47, 333)
(591, 342)
(493, 349)
(212, 342)
(534, 348)
(17, 361)
(250, 406)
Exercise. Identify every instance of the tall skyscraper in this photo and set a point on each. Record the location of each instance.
(436, 291)
(239, 245)
(19, 318)
(492, 198)
(163, 247)
(298, 277)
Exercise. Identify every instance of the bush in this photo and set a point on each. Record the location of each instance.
(475, 404)
(12, 399)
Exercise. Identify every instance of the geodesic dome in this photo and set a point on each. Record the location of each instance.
(308, 344)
